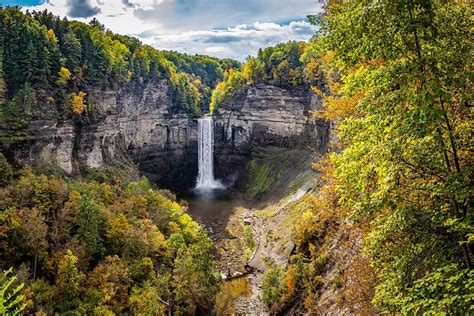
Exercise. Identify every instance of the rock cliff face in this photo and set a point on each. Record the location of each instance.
(265, 115)
(136, 121)
(133, 121)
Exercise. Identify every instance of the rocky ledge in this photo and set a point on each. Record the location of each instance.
(265, 115)
(134, 121)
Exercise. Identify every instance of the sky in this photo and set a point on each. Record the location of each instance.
(220, 28)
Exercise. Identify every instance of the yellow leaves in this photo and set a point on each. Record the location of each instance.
(152, 237)
(189, 227)
(328, 56)
(338, 107)
(342, 107)
(77, 103)
(233, 80)
(64, 76)
(118, 227)
(318, 92)
(111, 278)
(312, 70)
(117, 52)
(249, 70)
(52, 37)
(74, 197)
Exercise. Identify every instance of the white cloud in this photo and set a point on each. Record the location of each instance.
(234, 42)
(225, 28)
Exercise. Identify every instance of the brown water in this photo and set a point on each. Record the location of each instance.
(212, 209)
(220, 212)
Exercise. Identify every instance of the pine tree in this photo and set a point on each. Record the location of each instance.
(72, 50)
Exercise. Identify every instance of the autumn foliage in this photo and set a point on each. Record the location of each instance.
(89, 247)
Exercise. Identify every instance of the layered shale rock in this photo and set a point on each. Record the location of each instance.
(265, 115)
(136, 122)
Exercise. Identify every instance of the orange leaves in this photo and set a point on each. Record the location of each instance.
(290, 280)
(112, 279)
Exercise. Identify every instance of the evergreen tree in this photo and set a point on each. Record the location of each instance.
(72, 49)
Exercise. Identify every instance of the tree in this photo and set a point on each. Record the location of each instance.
(35, 232)
(3, 88)
(64, 76)
(72, 49)
(403, 112)
(111, 278)
(68, 284)
(6, 171)
(146, 300)
(195, 281)
(89, 221)
(78, 106)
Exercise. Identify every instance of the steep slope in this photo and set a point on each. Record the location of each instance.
(132, 122)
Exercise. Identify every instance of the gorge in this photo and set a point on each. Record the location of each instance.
(136, 121)
(329, 176)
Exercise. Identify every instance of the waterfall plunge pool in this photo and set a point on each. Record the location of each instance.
(213, 209)
(210, 203)
(221, 213)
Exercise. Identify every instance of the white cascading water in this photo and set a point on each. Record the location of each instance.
(205, 180)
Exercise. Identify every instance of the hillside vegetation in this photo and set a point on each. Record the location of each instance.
(103, 248)
(281, 65)
(392, 227)
(387, 229)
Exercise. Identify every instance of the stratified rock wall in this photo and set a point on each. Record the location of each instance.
(133, 121)
(136, 122)
(265, 115)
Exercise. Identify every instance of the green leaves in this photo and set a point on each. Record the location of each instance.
(11, 301)
(57, 57)
(404, 165)
(449, 289)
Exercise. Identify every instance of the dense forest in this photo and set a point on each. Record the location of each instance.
(106, 245)
(399, 182)
(281, 65)
(394, 189)
(49, 62)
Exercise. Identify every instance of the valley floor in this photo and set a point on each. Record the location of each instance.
(249, 236)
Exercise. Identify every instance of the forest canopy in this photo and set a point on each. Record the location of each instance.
(47, 60)
(102, 246)
(398, 184)
(394, 191)
(279, 65)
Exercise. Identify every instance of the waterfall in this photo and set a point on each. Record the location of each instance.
(205, 180)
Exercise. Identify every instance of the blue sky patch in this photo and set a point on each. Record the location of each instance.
(21, 2)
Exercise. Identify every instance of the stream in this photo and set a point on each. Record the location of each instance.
(222, 213)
